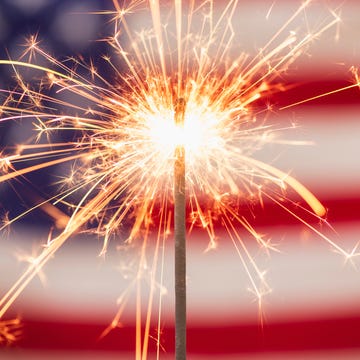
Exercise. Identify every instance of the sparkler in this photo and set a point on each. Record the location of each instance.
(129, 159)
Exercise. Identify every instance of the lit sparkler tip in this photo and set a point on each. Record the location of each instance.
(179, 108)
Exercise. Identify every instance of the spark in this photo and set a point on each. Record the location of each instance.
(10, 331)
(269, 11)
(122, 139)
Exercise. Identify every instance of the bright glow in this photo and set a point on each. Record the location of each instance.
(201, 134)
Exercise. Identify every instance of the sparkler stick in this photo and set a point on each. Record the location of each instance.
(180, 238)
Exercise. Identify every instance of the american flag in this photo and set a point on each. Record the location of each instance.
(313, 311)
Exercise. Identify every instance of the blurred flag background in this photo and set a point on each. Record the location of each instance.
(313, 311)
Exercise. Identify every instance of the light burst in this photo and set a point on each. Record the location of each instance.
(121, 136)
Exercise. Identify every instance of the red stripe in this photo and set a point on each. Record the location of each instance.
(338, 210)
(308, 86)
(320, 334)
(271, 214)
